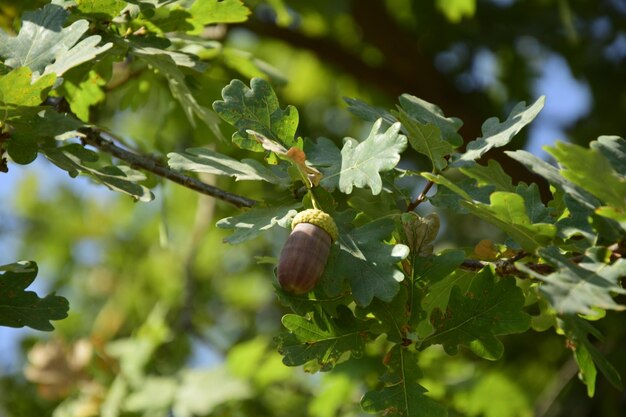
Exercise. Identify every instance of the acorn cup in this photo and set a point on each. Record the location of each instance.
(304, 255)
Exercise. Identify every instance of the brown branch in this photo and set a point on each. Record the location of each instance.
(421, 197)
(507, 266)
(98, 139)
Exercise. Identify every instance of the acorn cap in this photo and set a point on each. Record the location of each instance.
(319, 219)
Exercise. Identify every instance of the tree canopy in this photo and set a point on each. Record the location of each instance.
(153, 154)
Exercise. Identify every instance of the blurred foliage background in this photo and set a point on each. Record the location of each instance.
(167, 320)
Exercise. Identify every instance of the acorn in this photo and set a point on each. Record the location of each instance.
(304, 256)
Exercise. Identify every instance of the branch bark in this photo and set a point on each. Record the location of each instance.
(105, 142)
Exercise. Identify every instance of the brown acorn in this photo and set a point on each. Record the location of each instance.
(304, 256)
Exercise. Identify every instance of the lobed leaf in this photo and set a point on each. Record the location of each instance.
(361, 162)
(507, 211)
(257, 108)
(167, 65)
(322, 338)
(402, 395)
(326, 156)
(211, 162)
(429, 114)
(426, 138)
(367, 112)
(553, 176)
(208, 12)
(492, 174)
(587, 356)
(19, 308)
(579, 288)
(614, 149)
(473, 318)
(75, 159)
(251, 223)
(366, 262)
(497, 134)
(45, 46)
(592, 171)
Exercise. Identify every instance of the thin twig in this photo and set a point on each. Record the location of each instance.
(507, 266)
(99, 139)
(421, 197)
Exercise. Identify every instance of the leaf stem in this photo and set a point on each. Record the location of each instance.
(421, 197)
(106, 142)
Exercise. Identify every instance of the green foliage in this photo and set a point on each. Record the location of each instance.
(497, 134)
(475, 316)
(46, 47)
(400, 317)
(19, 308)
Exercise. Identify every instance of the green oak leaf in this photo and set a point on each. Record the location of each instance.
(401, 395)
(391, 318)
(75, 159)
(257, 108)
(497, 134)
(453, 193)
(361, 162)
(426, 139)
(617, 214)
(19, 308)
(473, 318)
(579, 288)
(168, 66)
(536, 210)
(575, 221)
(550, 173)
(17, 89)
(587, 356)
(366, 262)
(614, 149)
(45, 46)
(492, 174)
(33, 125)
(208, 12)
(211, 162)
(507, 211)
(367, 112)
(322, 338)
(435, 276)
(592, 171)
(256, 220)
(326, 156)
(100, 9)
(430, 114)
(81, 96)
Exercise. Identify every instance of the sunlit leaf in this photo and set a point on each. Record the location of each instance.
(473, 318)
(578, 288)
(207, 12)
(258, 219)
(361, 162)
(592, 171)
(211, 162)
(550, 173)
(497, 134)
(492, 174)
(45, 46)
(426, 139)
(430, 114)
(256, 108)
